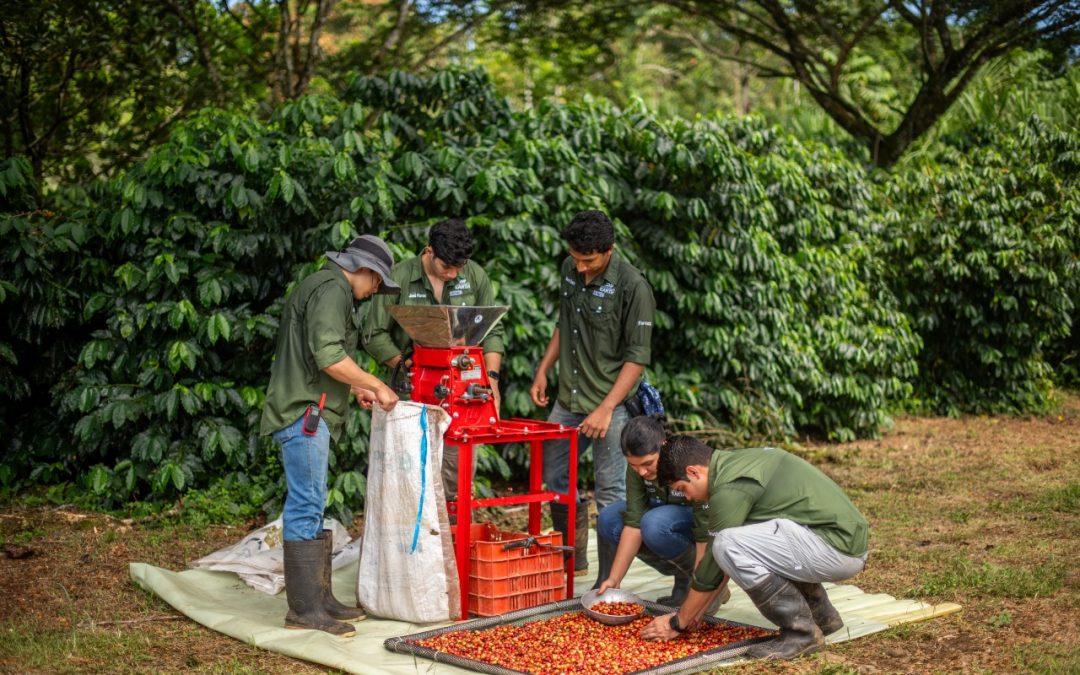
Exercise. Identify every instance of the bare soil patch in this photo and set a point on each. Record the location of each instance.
(981, 511)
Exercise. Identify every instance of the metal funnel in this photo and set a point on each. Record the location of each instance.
(447, 325)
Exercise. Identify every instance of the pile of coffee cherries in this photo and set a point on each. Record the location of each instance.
(618, 608)
(572, 643)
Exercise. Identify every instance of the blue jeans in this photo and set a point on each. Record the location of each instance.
(305, 459)
(608, 461)
(667, 529)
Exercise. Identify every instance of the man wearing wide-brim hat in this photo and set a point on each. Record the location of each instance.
(311, 381)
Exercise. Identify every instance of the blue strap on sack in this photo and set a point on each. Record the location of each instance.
(423, 476)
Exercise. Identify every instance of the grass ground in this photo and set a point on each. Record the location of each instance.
(981, 511)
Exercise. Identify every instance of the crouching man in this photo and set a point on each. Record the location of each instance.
(780, 528)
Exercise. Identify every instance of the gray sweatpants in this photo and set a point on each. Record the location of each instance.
(783, 547)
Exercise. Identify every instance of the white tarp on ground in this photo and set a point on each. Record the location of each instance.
(220, 601)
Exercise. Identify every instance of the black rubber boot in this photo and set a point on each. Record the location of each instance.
(581, 539)
(338, 610)
(605, 556)
(681, 567)
(304, 587)
(825, 615)
(559, 515)
(780, 602)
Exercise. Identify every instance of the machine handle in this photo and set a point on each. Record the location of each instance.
(529, 542)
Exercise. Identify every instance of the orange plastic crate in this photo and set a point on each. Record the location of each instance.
(502, 580)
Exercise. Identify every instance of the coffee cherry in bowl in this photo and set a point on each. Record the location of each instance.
(614, 608)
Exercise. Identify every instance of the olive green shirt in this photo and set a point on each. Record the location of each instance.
(640, 492)
(384, 339)
(761, 484)
(319, 327)
(602, 325)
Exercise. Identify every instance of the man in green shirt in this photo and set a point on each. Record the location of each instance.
(780, 527)
(603, 341)
(311, 380)
(442, 274)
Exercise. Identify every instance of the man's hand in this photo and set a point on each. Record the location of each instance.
(538, 390)
(608, 583)
(597, 423)
(364, 397)
(659, 629)
(387, 398)
(495, 394)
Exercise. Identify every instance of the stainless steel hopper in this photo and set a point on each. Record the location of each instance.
(441, 326)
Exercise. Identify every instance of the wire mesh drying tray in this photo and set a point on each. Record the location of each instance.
(690, 664)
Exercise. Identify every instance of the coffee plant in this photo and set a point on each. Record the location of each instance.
(983, 253)
(140, 314)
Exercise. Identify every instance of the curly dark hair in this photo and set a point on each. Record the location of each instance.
(679, 453)
(451, 241)
(590, 232)
(644, 435)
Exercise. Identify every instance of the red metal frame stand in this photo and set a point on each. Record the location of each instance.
(534, 433)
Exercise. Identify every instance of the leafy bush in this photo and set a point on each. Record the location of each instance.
(157, 297)
(983, 253)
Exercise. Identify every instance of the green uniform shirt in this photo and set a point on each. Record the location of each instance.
(639, 492)
(760, 484)
(384, 339)
(319, 327)
(602, 325)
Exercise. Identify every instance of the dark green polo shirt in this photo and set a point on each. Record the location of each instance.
(602, 325)
(760, 484)
(384, 339)
(639, 492)
(319, 327)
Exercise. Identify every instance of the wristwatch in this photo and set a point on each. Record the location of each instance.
(675, 624)
(493, 375)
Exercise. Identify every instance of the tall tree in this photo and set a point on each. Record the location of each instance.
(88, 85)
(927, 50)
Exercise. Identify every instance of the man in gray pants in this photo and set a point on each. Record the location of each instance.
(780, 527)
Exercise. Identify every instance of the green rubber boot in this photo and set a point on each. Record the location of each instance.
(304, 588)
(333, 607)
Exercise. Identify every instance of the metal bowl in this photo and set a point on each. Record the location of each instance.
(610, 595)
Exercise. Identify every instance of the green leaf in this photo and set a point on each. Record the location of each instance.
(210, 292)
(288, 188)
(180, 354)
(89, 398)
(96, 302)
(99, 479)
(176, 474)
(238, 195)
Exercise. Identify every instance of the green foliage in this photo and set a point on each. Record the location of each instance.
(141, 316)
(88, 85)
(232, 500)
(983, 253)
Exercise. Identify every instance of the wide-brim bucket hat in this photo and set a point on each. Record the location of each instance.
(368, 251)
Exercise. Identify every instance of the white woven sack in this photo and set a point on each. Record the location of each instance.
(407, 566)
(258, 559)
